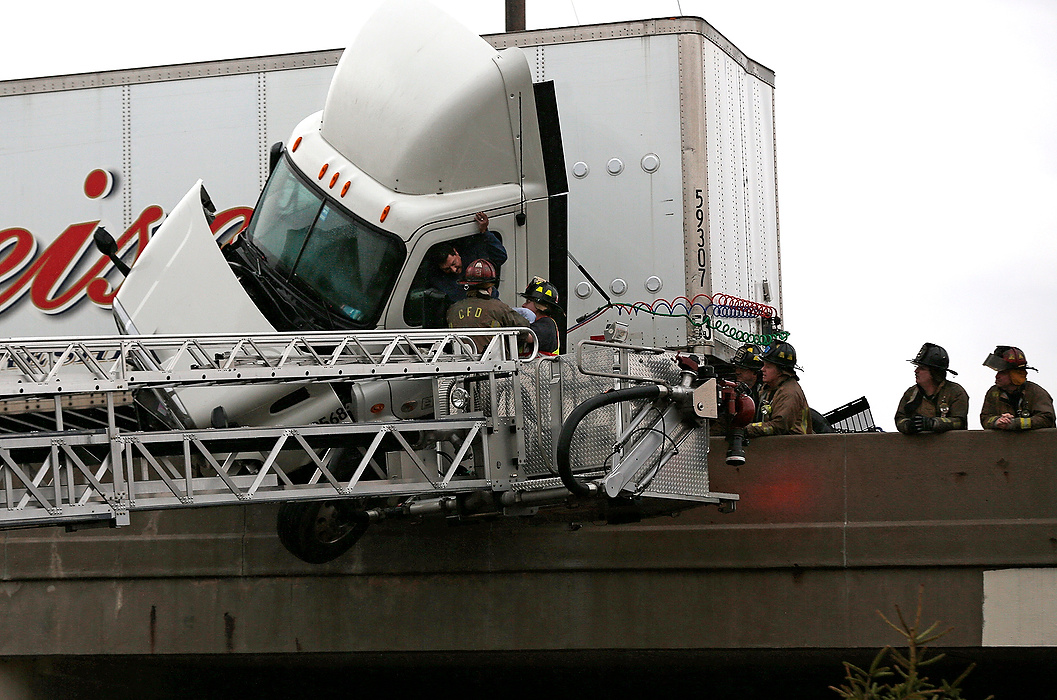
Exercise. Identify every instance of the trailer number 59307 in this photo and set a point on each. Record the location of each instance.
(702, 256)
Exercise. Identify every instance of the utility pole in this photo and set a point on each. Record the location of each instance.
(515, 15)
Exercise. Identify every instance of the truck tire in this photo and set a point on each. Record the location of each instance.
(320, 531)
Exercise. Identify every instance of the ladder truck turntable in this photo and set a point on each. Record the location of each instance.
(306, 371)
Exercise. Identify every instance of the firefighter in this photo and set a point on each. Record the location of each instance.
(1014, 403)
(747, 367)
(479, 309)
(541, 300)
(783, 406)
(747, 370)
(934, 404)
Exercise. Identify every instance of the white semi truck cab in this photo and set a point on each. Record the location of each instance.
(424, 125)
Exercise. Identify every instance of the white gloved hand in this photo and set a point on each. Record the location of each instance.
(527, 313)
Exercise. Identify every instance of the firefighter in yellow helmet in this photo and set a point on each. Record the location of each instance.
(748, 368)
(783, 406)
(541, 301)
(934, 404)
(1014, 403)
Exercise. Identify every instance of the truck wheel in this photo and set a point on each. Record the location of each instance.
(320, 531)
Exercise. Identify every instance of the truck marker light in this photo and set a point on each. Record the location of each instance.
(345, 188)
(378, 408)
(323, 171)
(385, 213)
(334, 179)
(296, 144)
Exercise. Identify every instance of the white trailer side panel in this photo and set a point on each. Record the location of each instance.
(216, 116)
(618, 102)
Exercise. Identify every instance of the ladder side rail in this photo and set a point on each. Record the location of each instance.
(200, 438)
(140, 355)
(255, 375)
(50, 345)
(146, 500)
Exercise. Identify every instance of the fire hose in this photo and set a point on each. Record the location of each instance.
(565, 471)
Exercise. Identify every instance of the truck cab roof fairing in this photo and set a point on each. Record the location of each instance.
(423, 105)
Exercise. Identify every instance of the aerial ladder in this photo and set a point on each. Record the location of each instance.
(92, 430)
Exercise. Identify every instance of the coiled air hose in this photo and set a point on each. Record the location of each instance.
(565, 438)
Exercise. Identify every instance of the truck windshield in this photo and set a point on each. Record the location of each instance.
(310, 242)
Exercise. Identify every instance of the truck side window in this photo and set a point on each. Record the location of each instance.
(433, 290)
(427, 306)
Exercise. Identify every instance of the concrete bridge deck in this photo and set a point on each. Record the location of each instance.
(829, 530)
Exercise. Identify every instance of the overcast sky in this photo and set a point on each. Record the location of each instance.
(917, 154)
